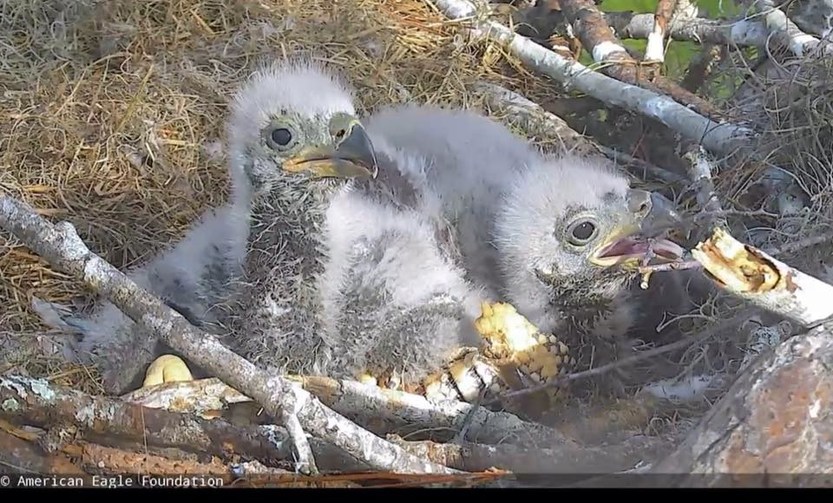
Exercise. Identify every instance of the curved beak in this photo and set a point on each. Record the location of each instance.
(349, 155)
(640, 234)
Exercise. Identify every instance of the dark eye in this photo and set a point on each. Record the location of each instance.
(281, 136)
(582, 232)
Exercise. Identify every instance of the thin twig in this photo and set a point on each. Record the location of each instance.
(631, 360)
(800, 244)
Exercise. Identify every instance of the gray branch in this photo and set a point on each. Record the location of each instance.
(61, 246)
(723, 138)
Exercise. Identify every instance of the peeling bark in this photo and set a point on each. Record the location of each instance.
(766, 282)
(655, 50)
(774, 425)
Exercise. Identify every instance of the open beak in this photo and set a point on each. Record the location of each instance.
(349, 156)
(640, 237)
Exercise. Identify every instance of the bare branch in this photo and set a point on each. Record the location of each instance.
(655, 50)
(719, 138)
(62, 248)
(364, 404)
(37, 402)
(787, 34)
(545, 19)
(741, 33)
(596, 36)
(766, 282)
(528, 460)
(497, 437)
(531, 115)
(203, 396)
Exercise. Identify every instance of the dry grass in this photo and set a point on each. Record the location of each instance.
(113, 116)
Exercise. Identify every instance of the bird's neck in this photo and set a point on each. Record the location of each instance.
(286, 239)
(582, 302)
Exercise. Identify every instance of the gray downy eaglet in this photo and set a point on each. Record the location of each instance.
(552, 235)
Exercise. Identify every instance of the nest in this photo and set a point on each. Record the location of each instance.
(115, 114)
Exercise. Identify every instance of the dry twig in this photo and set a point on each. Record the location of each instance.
(61, 246)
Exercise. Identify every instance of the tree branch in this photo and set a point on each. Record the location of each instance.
(720, 138)
(595, 35)
(655, 50)
(766, 282)
(500, 438)
(529, 114)
(786, 34)
(369, 404)
(740, 33)
(543, 20)
(774, 421)
(62, 248)
(39, 403)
